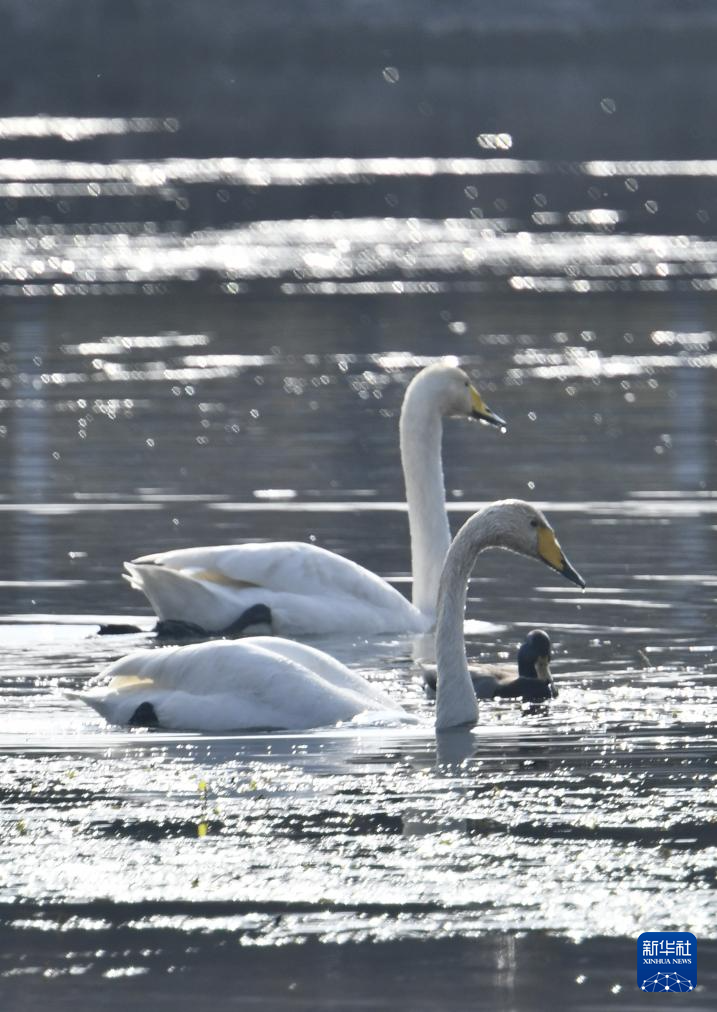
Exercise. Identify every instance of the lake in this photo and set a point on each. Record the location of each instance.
(205, 338)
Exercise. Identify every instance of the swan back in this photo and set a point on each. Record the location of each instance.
(257, 683)
(306, 587)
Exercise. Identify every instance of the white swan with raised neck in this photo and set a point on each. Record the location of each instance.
(274, 683)
(511, 524)
(306, 588)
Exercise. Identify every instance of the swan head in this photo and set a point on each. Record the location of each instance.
(450, 390)
(522, 528)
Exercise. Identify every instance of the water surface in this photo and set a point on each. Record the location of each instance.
(211, 303)
(576, 826)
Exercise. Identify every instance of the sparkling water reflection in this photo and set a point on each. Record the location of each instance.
(586, 820)
(202, 347)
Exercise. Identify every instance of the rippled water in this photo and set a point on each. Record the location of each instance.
(576, 827)
(499, 229)
(200, 346)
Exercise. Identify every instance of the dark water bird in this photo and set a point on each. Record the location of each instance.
(308, 589)
(255, 621)
(531, 681)
(275, 683)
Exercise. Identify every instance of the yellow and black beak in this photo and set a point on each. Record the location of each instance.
(552, 555)
(483, 412)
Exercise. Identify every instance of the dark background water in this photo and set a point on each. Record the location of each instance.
(298, 80)
(197, 350)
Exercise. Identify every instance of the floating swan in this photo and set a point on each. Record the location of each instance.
(259, 683)
(531, 681)
(308, 589)
(511, 524)
(272, 683)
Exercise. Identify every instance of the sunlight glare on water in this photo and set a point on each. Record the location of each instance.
(211, 310)
(577, 798)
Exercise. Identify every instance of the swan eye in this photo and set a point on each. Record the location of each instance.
(533, 523)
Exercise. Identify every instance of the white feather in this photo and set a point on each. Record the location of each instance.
(265, 682)
(257, 683)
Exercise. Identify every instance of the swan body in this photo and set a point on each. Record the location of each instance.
(260, 683)
(531, 681)
(307, 588)
(268, 683)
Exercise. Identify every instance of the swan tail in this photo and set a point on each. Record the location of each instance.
(131, 576)
(96, 701)
(180, 597)
(117, 707)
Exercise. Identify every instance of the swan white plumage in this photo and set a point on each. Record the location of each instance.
(307, 588)
(272, 683)
(260, 683)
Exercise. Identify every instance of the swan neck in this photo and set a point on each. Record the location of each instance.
(455, 696)
(421, 433)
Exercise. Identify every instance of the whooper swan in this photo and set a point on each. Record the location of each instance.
(308, 589)
(272, 683)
